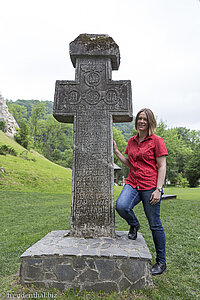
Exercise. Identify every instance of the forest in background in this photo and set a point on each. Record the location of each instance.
(40, 131)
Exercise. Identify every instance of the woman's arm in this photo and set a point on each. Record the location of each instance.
(161, 165)
(121, 157)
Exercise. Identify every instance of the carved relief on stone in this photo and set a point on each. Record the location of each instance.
(92, 101)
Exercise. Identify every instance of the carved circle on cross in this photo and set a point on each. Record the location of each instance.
(92, 78)
(111, 97)
(92, 97)
(73, 97)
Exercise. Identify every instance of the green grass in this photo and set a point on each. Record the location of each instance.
(30, 209)
(30, 171)
(27, 217)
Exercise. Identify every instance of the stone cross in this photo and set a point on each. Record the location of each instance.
(93, 102)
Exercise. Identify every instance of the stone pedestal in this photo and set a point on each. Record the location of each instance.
(99, 264)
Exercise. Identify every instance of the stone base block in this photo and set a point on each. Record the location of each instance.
(99, 264)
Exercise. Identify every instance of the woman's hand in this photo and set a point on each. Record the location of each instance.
(155, 197)
(121, 157)
(114, 146)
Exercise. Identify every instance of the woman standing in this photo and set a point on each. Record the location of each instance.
(147, 162)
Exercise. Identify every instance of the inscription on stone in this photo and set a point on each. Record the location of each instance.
(92, 102)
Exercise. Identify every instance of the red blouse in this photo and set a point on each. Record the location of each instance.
(142, 156)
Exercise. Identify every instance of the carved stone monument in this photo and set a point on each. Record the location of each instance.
(91, 255)
(93, 101)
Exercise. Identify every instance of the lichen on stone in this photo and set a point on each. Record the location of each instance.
(96, 41)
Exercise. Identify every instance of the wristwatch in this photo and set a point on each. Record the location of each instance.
(159, 188)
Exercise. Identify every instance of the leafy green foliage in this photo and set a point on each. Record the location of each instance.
(2, 125)
(22, 135)
(4, 149)
(28, 106)
(37, 112)
(192, 169)
(183, 149)
(39, 130)
(183, 182)
(19, 112)
(125, 128)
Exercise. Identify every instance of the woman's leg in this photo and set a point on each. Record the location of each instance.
(128, 198)
(153, 215)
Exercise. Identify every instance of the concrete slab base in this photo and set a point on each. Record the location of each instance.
(99, 264)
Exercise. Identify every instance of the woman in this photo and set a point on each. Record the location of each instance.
(147, 162)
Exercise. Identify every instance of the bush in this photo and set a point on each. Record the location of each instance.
(22, 135)
(183, 182)
(4, 149)
(2, 125)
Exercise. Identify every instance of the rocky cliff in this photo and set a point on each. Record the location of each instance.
(8, 118)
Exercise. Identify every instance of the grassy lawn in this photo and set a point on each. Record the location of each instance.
(35, 198)
(25, 217)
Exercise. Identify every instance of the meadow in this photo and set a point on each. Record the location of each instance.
(35, 198)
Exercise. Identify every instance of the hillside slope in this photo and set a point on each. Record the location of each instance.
(30, 171)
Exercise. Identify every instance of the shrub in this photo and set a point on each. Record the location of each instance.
(182, 181)
(4, 149)
(2, 125)
(22, 135)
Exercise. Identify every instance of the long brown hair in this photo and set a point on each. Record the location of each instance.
(150, 119)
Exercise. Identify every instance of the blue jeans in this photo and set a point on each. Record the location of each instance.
(129, 198)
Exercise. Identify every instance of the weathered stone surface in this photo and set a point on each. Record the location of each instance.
(92, 102)
(93, 45)
(105, 268)
(90, 263)
(32, 272)
(50, 276)
(116, 274)
(65, 273)
(80, 263)
(124, 284)
(34, 262)
(59, 245)
(88, 275)
(88, 270)
(134, 269)
(49, 263)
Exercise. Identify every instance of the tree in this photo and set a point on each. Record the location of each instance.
(177, 151)
(22, 136)
(37, 112)
(125, 128)
(49, 132)
(19, 112)
(54, 138)
(192, 168)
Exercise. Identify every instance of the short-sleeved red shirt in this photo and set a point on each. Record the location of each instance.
(142, 156)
